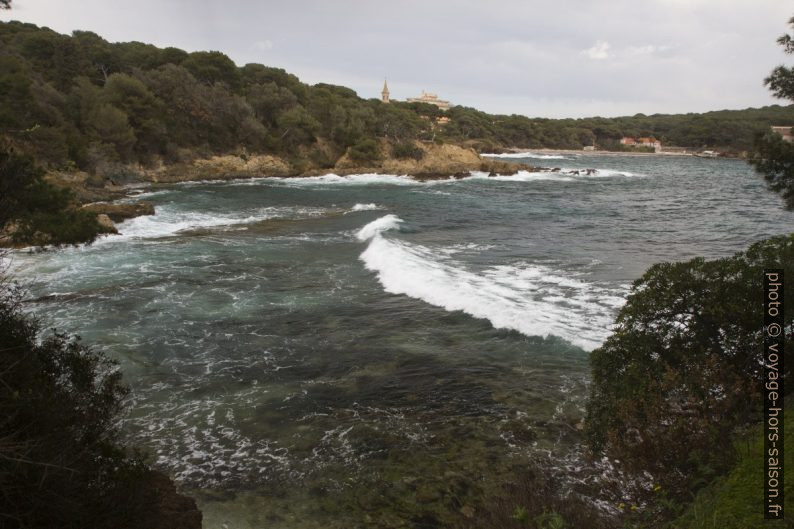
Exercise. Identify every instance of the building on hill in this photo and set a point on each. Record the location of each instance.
(785, 132)
(430, 99)
(642, 142)
(384, 95)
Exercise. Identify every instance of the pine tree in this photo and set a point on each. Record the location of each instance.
(773, 156)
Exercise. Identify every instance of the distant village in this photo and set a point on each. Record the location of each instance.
(627, 141)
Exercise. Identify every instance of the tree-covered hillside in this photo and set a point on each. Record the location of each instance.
(80, 101)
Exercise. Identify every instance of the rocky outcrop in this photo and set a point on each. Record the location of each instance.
(438, 161)
(106, 223)
(224, 167)
(120, 212)
(85, 187)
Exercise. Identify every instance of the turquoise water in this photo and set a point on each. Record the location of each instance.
(335, 351)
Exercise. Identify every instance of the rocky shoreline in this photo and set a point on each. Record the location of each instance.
(98, 196)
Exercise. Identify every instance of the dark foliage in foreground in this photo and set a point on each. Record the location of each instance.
(684, 368)
(34, 211)
(773, 157)
(60, 461)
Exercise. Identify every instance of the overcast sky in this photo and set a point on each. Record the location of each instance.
(557, 58)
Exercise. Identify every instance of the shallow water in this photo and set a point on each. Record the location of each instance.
(365, 350)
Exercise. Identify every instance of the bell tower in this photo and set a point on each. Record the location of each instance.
(384, 95)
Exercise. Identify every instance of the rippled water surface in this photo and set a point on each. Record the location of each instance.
(371, 350)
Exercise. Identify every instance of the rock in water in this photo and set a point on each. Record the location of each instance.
(121, 212)
(106, 223)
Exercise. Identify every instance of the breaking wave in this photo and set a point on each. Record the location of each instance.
(365, 207)
(168, 221)
(532, 299)
(353, 180)
(526, 155)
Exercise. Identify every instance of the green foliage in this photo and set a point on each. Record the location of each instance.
(773, 157)
(59, 405)
(61, 464)
(212, 67)
(365, 151)
(781, 80)
(521, 515)
(684, 366)
(407, 149)
(60, 94)
(109, 124)
(734, 501)
(550, 520)
(299, 128)
(130, 96)
(36, 212)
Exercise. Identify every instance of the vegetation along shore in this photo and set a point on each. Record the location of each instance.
(332, 361)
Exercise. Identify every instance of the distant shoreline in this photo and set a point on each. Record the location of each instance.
(596, 152)
(545, 150)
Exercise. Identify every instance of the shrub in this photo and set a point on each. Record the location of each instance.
(60, 462)
(36, 212)
(684, 366)
(407, 149)
(365, 151)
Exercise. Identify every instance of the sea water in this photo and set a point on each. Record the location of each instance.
(334, 351)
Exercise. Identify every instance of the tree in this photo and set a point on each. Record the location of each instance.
(110, 125)
(365, 151)
(297, 127)
(212, 67)
(684, 366)
(142, 108)
(269, 101)
(773, 157)
(186, 104)
(34, 211)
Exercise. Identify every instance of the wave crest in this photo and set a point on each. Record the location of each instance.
(378, 226)
(532, 299)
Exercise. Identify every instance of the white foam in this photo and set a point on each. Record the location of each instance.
(603, 173)
(563, 175)
(525, 155)
(354, 180)
(525, 176)
(374, 228)
(169, 221)
(138, 194)
(365, 207)
(532, 299)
